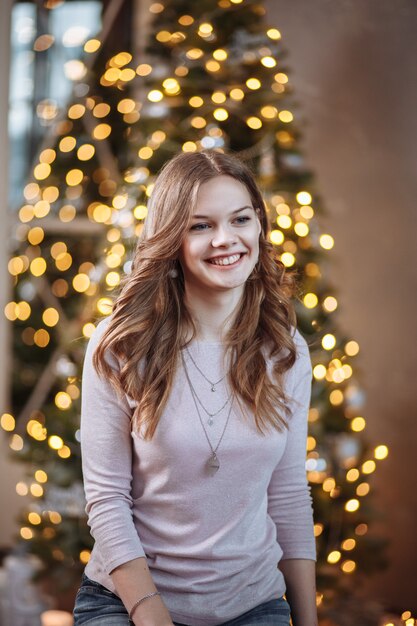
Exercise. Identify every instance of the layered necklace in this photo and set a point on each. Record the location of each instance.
(212, 464)
(212, 385)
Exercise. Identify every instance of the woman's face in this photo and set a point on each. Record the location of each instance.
(221, 247)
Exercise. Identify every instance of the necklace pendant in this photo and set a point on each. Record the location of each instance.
(210, 422)
(213, 464)
(213, 388)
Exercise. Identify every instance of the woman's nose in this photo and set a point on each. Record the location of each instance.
(223, 236)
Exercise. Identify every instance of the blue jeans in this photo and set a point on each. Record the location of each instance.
(97, 606)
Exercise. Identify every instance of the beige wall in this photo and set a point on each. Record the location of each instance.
(352, 63)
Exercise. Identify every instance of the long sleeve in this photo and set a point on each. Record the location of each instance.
(289, 499)
(107, 464)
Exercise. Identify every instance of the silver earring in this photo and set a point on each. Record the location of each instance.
(173, 273)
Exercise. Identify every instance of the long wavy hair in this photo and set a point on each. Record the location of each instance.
(146, 329)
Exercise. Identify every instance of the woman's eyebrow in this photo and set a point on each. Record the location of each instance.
(205, 217)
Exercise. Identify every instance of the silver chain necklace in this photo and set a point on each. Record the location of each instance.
(210, 420)
(212, 385)
(213, 463)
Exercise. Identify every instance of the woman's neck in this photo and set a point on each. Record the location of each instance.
(212, 313)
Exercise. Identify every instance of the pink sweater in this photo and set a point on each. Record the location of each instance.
(212, 542)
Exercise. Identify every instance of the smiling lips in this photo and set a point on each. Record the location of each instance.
(225, 260)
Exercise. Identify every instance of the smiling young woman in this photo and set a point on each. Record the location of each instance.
(194, 419)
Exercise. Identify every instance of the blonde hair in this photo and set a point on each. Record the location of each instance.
(146, 329)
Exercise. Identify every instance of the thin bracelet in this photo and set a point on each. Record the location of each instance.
(135, 606)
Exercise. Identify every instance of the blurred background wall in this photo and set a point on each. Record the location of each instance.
(352, 64)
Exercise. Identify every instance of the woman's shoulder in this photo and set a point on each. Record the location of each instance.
(302, 358)
(96, 338)
(99, 331)
(302, 361)
(300, 342)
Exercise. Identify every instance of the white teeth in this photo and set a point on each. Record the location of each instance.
(226, 260)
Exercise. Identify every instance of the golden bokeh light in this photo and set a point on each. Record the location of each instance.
(74, 177)
(67, 144)
(352, 475)
(55, 442)
(220, 114)
(319, 371)
(352, 505)
(303, 197)
(22, 489)
(189, 146)
(64, 452)
(34, 518)
(104, 306)
(86, 152)
(254, 122)
(42, 171)
(16, 442)
(336, 397)
(348, 566)
(334, 556)
(155, 95)
(368, 467)
(186, 20)
(381, 452)
(268, 61)
(277, 237)
(36, 490)
(253, 83)
(318, 529)
(41, 338)
(145, 153)
(363, 489)
(330, 304)
(26, 533)
(288, 259)
(310, 300)
(88, 329)
(81, 282)
(47, 156)
(213, 66)
(85, 556)
(326, 242)
(194, 53)
(144, 69)
(196, 102)
(76, 111)
(7, 422)
(198, 122)
(92, 45)
(348, 544)
(50, 317)
(101, 131)
(38, 266)
(284, 221)
(41, 476)
(281, 78)
(357, 424)
(220, 54)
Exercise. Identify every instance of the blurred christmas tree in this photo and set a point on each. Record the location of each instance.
(213, 75)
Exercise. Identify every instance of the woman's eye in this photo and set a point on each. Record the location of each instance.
(243, 219)
(198, 227)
